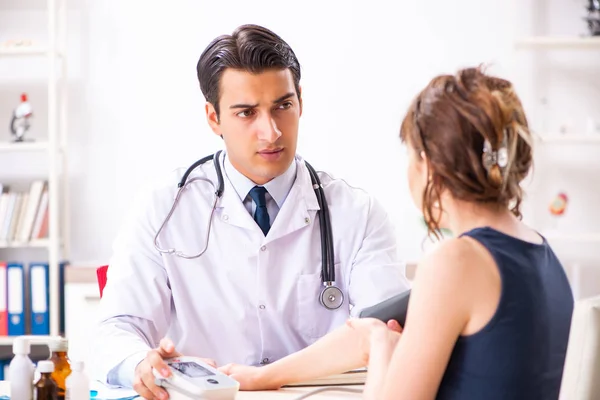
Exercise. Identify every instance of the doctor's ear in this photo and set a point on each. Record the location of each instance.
(213, 118)
(300, 99)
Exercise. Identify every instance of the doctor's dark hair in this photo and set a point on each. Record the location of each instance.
(249, 48)
(449, 122)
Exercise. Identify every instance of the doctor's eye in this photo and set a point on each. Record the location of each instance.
(285, 106)
(245, 113)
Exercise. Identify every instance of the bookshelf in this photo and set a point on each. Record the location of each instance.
(543, 44)
(51, 55)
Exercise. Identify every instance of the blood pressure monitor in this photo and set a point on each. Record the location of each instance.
(396, 307)
(191, 378)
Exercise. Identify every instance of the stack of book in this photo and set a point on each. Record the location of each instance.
(23, 215)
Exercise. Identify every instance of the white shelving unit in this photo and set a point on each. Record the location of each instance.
(550, 43)
(54, 53)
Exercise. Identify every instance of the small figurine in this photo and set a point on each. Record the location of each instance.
(593, 17)
(559, 204)
(19, 123)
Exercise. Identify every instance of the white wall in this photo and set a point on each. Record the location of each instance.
(137, 111)
(360, 70)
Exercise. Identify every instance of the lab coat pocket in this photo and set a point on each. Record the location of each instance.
(313, 319)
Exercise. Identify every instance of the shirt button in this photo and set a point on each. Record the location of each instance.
(262, 307)
(225, 217)
(265, 361)
(263, 248)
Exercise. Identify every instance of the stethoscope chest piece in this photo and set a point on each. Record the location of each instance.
(331, 297)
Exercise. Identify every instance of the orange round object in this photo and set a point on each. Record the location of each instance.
(559, 204)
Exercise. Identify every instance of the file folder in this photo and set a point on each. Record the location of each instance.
(40, 298)
(3, 364)
(16, 299)
(3, 300)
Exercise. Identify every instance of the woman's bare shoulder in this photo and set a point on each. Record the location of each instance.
(454, 261)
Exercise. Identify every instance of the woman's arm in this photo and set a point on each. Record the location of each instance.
(342, 350)
(383, 343)
(339, 351)
(446, 288)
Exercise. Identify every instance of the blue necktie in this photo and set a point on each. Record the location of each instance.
(261, 216)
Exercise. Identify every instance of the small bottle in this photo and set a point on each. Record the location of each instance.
(62, 365)
(21, 371)
(78, 384)
(45, 388)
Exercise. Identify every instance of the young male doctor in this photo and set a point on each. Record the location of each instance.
(253, 296)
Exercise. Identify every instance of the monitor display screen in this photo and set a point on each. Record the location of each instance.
(191, 369)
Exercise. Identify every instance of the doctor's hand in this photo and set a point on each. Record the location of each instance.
(250, 378)
(375, 333)
(143, 382)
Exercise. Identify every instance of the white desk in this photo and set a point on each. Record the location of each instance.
(293, 393)
(286, 393)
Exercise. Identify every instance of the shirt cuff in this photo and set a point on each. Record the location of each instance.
(124, 373)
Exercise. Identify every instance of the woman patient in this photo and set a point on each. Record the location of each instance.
(490, 309)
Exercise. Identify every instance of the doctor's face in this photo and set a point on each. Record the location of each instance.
(259, 117)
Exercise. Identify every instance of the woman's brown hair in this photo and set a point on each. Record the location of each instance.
(475, 136)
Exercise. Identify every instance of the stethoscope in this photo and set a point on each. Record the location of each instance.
(331, 297)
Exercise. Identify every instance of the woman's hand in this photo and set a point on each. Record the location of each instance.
(250, 378)
(374, 334)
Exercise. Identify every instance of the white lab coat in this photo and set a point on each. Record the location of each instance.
(249, 299)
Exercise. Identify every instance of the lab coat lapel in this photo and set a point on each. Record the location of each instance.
(233, 210)
(299, 208)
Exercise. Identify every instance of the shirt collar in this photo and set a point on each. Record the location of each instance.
(278, 188)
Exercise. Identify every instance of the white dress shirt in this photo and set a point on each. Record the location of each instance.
(250, 298)
(277, 188)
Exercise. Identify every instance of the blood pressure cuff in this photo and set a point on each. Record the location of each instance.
(393, 308)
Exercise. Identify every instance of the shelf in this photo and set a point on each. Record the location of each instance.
(23, 146)
(38, 243)
(569, 138)
(590, 237)
(560, 42)
(23, 51)
(28, 51)
(34, 340)
(6, 340)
